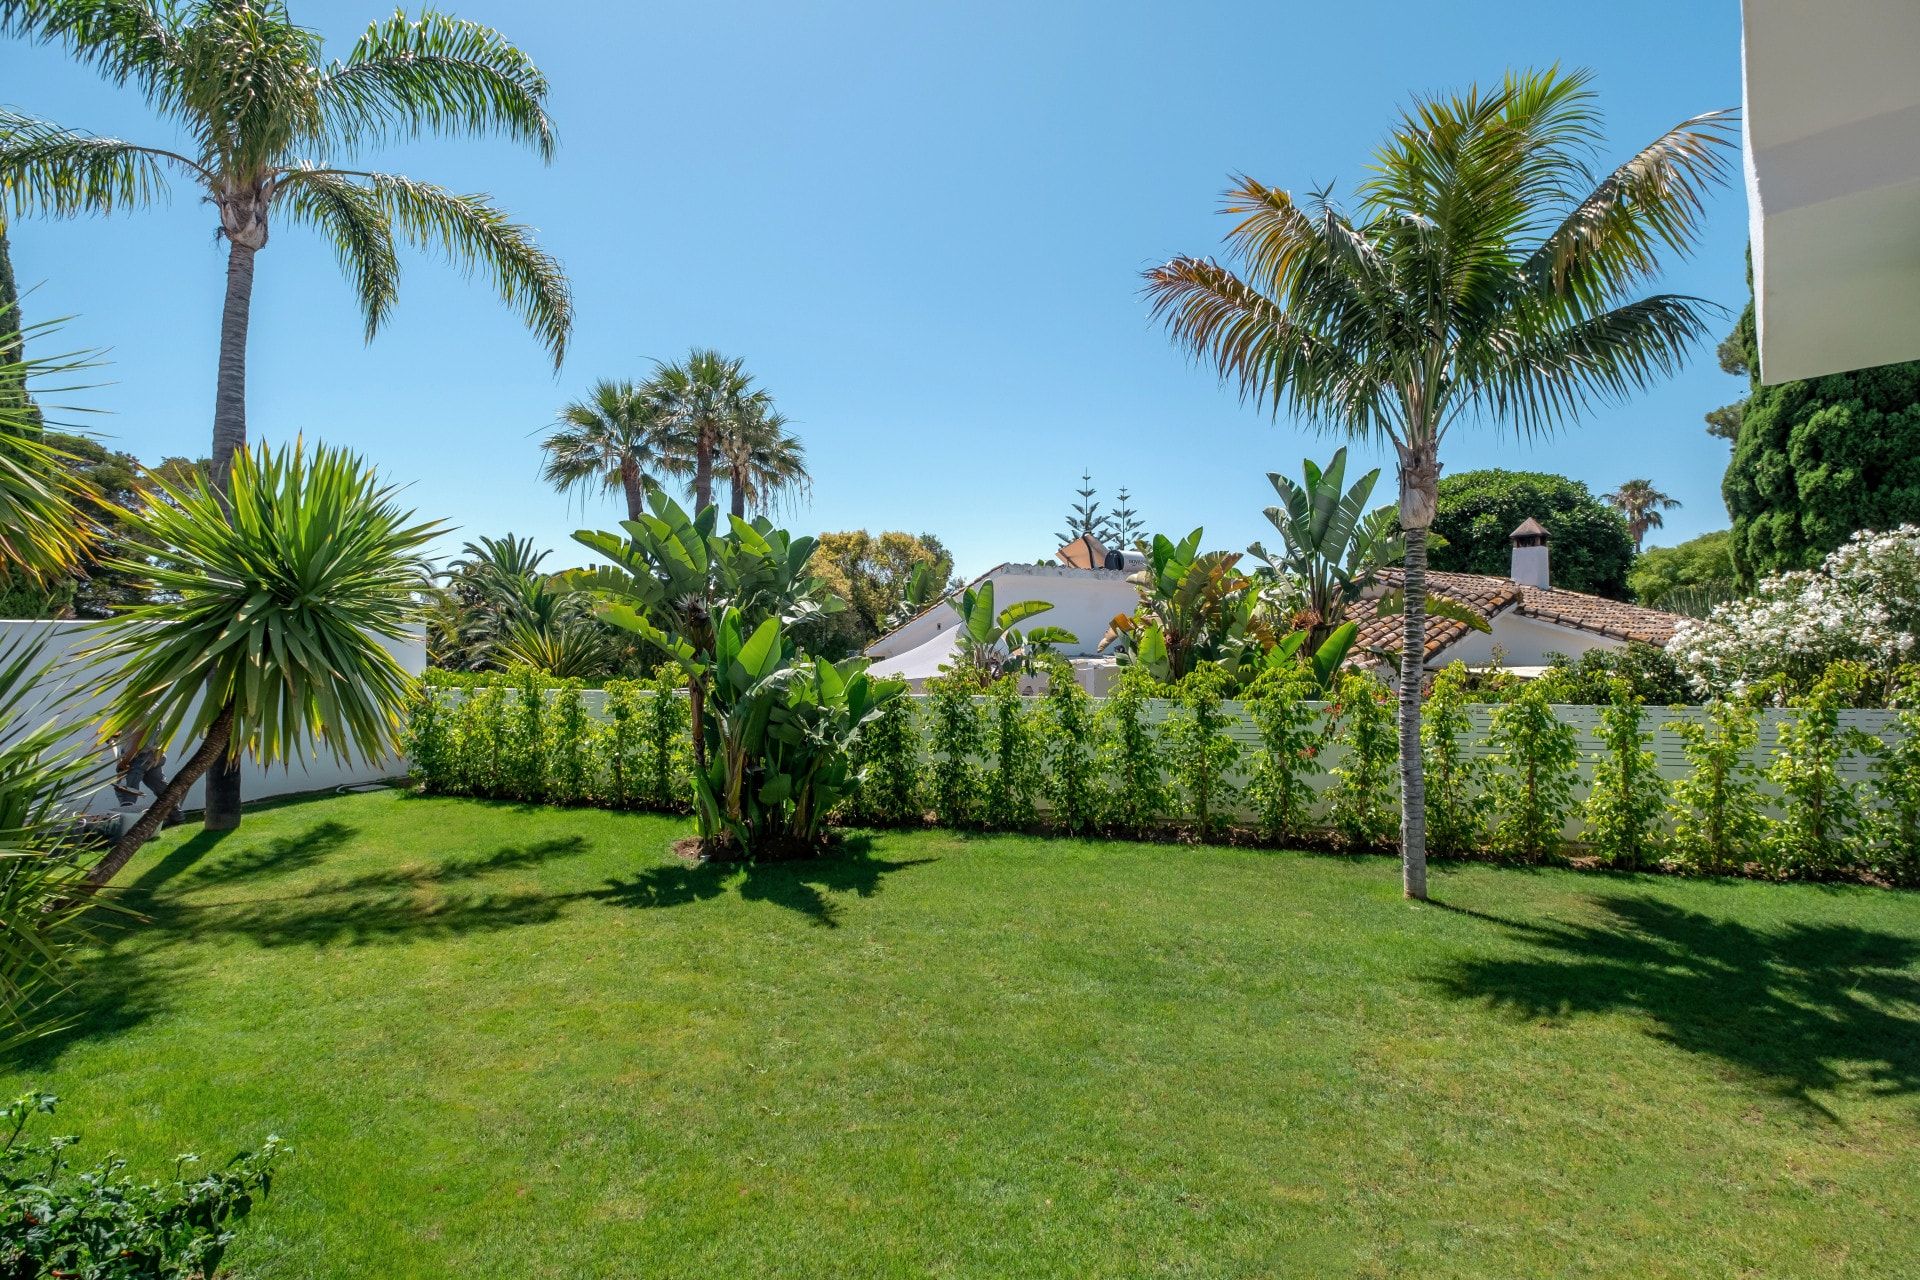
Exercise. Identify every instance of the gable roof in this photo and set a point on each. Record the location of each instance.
(1492, 596)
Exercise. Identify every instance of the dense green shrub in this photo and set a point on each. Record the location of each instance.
(1365, 796)
(1067, 747)
(1202, 753)
(1291, 732)
(569, 749)
(1130, 751)
(1819, 828)
(1716, 817)
(1530, 781)
(1453, 782)
(959, 736)
(1628, 796)
(1692, 573)
(525, 749)
(1479, 510)
(1894, 831)
(99, 1223)
(428, 738)
(1012, 783)
(1650, 674)
(888, 758)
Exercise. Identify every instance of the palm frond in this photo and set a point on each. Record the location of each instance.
(45, 169)
(128, 40)
(354, 220)
(436, 73)
(475, 235)
(1252, 341)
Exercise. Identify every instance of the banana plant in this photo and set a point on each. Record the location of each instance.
(1194, 607)
(705, 596)
(918, 594)
(1334, 544)
(988, 646)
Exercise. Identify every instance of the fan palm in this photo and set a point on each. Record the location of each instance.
(265, 635)
(1641, 504)
(613, 439)
(763, 460)
(1486, 273)
(256, 103)
(700, 399)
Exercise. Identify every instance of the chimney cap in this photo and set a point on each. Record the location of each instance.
(1529, 534)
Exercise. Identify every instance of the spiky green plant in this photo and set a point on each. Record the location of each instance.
(274, 601)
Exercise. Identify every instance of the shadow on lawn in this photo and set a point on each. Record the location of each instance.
(800, 886)
(1801, 1008)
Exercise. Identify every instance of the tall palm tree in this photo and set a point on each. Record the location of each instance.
(613, 439)
(700, 398)
(255, 104)
(1641, 504)
(763, 460)
(1484, 275)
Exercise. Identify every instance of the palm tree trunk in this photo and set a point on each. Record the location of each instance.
(630, 480)
(703, 470)
(737, 492)
(230, 437)
(212, 750)
(1413, 777)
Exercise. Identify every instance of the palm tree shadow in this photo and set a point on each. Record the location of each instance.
(1802, 1009)
(802, 885)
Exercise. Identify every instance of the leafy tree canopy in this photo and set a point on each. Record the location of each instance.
(870, 572)
(1479, 510)
(1702, 564)
(1816, 461)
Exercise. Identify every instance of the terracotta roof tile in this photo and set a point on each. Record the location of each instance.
(1494, 596)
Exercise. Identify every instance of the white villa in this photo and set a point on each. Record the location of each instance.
(1531, 618)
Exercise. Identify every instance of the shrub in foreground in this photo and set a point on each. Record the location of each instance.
(98, 1222)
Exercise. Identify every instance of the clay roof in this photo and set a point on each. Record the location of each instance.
(1494, 596)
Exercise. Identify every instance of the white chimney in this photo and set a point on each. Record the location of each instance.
(1530, 554)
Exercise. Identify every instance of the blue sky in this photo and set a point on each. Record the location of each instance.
(921, 224)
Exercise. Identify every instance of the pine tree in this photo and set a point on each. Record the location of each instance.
(1085, 518)
(1123, 522)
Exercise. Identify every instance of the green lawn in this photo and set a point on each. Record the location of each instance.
(529, 1043)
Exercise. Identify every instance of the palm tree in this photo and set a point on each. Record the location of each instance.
(44, 533)
(1484, 275)
(1641, 504)
(256, 103)
(277, 615)
(763, 460)
(700, 399)
(613, 439)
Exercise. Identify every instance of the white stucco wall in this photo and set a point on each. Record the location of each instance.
(1085, 602)
(1523, 642)
(64, 696)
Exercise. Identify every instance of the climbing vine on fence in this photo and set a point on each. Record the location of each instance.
(1530, 785)
(1365, 794)
(1628, 796)
(1715, 814)
(1291, 732)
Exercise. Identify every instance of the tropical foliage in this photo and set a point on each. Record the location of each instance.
(1641, 504)
(989, 645)
(1689, 577)
(278, 601)
(1333, 543)
(1483, 276)
(612, 440)
(885, 579)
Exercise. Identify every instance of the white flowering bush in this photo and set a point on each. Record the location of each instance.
(1862, 605)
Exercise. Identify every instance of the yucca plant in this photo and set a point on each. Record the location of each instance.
(275, 605)
(1487, 275)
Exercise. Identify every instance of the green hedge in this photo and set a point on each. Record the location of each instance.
(965, 759)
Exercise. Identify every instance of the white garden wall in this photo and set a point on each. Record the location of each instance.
(65, 694)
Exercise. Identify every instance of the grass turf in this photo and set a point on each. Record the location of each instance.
(524, 1042)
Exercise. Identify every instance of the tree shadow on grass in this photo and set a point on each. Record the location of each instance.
(1800, 1009)
(802, 885)
(397, 905)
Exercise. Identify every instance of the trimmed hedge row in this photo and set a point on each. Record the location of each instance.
(1064, 762)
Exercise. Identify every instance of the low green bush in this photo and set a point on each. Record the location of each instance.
(1364, 801)
(958, 737)
(1202, 754)
(1715, 814)
(1628, 796)
(1453, 781)
(98, 1222)
(1531, 775)
(1820, 826)
(1292, 731)
(1011, 789)
(1068, 749)
(1129, 753)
